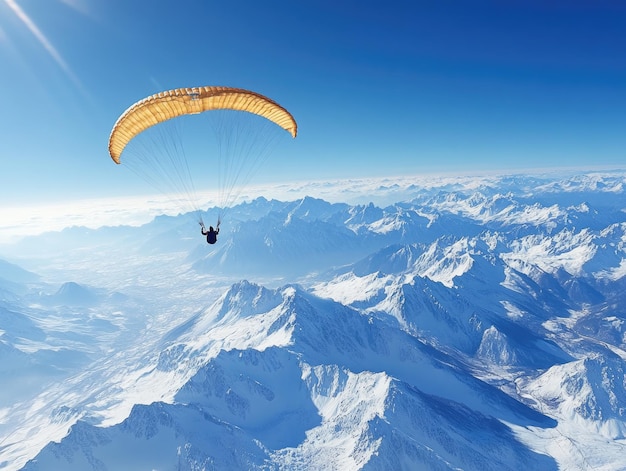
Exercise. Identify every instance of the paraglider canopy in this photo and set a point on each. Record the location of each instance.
(173, 103)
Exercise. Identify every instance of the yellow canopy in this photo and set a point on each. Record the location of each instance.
(173, 103)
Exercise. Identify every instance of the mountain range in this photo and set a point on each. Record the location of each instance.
(474, 324)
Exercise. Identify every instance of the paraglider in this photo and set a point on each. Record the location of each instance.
(211, 234)
(244, 124)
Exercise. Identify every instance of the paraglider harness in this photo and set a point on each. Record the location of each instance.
(211, 234)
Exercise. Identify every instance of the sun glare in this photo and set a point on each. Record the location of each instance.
(32, 27)
(23, 17)
(78, 5)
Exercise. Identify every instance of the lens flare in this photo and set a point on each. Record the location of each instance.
(41, 38)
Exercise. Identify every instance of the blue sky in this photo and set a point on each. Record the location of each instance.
(378, 88)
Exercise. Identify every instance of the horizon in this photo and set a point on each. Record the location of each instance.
(17, 222)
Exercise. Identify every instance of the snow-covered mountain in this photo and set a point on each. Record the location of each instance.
(477, 324)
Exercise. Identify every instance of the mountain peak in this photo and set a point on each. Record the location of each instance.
(592, 388)
(72, 293)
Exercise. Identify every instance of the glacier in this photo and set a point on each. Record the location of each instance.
(472, 323)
